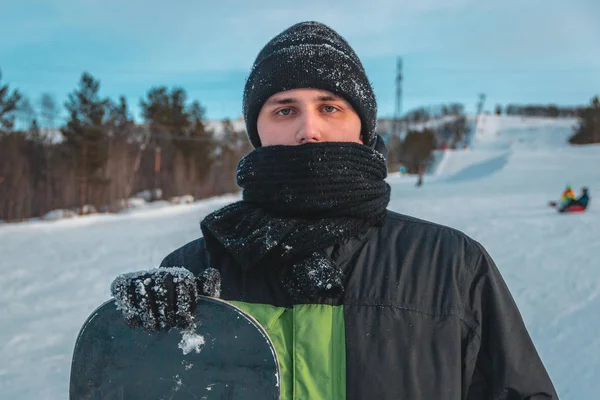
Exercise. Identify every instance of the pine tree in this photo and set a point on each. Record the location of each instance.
(201, 146)
(182, 142)
(85, 135)
(119, 120)
(9, 105)
(589, 127)
(417, 149)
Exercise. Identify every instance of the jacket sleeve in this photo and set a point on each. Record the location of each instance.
(193, 256)
(507, 365)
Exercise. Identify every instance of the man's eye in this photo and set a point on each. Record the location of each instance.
(329, 109)
(284, 111)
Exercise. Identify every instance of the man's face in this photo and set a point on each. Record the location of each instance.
(302, 116)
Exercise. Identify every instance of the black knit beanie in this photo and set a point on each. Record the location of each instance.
(309, 55)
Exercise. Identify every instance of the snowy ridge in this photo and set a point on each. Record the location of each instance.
(496, 139)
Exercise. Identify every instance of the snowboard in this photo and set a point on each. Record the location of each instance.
(226, 355)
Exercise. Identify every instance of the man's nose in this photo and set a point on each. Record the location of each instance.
(309, 130)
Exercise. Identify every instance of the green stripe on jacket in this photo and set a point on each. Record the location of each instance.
(309, 340)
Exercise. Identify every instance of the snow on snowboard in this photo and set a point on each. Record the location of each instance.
(227, 356)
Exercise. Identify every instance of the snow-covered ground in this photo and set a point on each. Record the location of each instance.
(54, 274)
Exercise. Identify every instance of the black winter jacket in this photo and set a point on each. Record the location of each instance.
(426, 314)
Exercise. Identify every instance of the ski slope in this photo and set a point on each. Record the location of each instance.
(54, 274)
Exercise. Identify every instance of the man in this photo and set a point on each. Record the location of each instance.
(360, 302)
(584, 199)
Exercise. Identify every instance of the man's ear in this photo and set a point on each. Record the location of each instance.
(379, 146)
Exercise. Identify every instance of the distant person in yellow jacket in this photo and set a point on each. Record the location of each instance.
(567, 196)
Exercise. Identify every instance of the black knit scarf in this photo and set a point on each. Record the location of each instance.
(297, 201)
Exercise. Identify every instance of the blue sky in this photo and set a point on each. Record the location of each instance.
(520, 51)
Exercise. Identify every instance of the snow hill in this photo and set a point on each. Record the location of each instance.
(54, 274)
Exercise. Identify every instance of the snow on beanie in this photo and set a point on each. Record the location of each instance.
(309, 55)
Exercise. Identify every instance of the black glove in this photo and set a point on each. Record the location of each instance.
(163, 298)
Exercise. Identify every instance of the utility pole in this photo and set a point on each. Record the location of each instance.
(398, 108)
(480, 105)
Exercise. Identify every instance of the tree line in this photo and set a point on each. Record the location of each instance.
(536, 110)
(99, 157)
